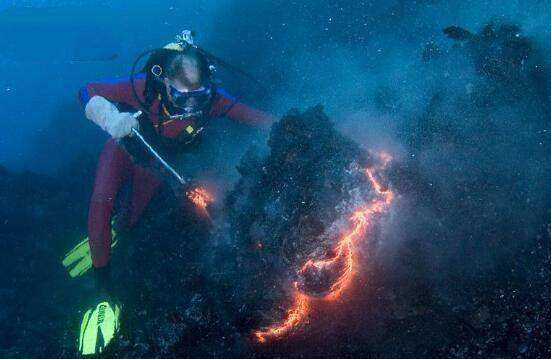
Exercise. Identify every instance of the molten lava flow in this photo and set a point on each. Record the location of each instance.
(295, 315)
(342, 264)
(201, 198)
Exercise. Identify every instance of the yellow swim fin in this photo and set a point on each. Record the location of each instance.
(78, 260)
(99, 326)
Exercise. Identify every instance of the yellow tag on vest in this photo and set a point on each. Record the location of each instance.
(189, 129)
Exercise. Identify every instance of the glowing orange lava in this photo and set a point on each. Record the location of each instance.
(294, 317)
(343, 261)
(201, 198)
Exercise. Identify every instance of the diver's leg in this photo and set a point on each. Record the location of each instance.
(144, 186)
(114, 166)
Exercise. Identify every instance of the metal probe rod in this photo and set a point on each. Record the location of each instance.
(158, 157)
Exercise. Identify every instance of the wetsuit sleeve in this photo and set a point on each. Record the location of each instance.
(114, 90)
(226, 105)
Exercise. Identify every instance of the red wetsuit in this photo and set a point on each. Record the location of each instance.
(115, 166)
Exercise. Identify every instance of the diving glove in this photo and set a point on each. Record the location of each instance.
(99, 326)
(109, 118)
(78, 260)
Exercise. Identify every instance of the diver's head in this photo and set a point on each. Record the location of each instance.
(182, 78)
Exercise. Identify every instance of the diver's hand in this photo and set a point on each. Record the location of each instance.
(109, 118)
(121, 125)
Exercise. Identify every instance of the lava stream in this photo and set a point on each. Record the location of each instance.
(343, 260)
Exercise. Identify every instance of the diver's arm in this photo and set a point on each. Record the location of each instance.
(115, 90)
(99, 101)
(225, 105)
(106, 115)
(250, 116)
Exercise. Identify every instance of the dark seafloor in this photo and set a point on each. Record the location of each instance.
(460, 266)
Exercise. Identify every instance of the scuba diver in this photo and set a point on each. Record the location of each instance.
(177, 97)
